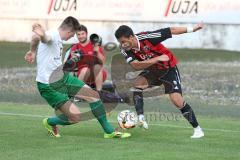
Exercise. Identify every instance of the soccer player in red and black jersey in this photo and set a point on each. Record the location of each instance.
(144, 51)
(90, 67)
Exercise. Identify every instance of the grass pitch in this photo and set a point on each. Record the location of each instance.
(23, 137)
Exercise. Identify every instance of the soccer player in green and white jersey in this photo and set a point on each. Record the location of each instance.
(49, 60)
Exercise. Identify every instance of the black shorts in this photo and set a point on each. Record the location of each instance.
(169, 78)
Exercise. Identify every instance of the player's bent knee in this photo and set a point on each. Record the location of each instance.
(141, 83)
(177, 99)
(98, 69)
(84, 73)
(88, 94)
(74, 118)
(98, 66)
(95, 96)
(94, 99)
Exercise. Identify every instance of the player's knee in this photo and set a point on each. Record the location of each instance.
(177, 100)
(97, 67)
(140, 85)
(75, 118)
(95, 97)
(84, 73)
(91, 100)
(88, 94)
(84, 70)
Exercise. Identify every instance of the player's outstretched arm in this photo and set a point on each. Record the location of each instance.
(140, 65)
(39, 30)
(181, 30)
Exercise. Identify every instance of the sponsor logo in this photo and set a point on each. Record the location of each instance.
(181, 7)
(146, 48)
(62, 5)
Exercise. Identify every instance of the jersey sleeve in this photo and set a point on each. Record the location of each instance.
(156, 36)
(52, 35)
(129, 56)
(74, 48)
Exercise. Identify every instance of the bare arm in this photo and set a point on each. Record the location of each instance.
(36, 38)
(38, 30)
(34, 43)
(99, 55)
(140, 65)
(31, 54)
(181, 30)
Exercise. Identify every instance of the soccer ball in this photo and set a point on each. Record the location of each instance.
(127, 119)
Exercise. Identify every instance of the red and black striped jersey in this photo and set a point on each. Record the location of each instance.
(149, 46)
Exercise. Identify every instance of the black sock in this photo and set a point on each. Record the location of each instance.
(138, 101)
(188, 113)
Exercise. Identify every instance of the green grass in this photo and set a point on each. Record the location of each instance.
(23, 137)
(12, 55)
(208, 55)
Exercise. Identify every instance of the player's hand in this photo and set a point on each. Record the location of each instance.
(77, 56)
(30, 57)
(163, 58)
(96, 48)
(38, 29)
(198, 26)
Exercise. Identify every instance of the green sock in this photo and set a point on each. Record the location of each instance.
(59, 120)
(99, 112)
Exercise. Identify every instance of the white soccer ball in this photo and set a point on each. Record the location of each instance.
(127, 119)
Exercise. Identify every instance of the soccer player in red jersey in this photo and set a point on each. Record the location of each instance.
(144, 51)
(90, 67)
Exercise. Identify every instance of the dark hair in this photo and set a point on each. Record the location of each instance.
(124, 31)
(70, 22)
(82, 28)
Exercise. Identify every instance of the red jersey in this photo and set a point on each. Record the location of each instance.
(150, 46)
(89, 58)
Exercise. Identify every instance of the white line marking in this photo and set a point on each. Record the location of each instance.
(153, 124)
(23, 115)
